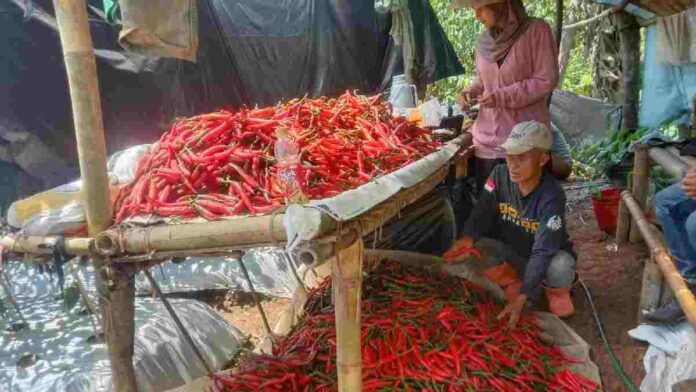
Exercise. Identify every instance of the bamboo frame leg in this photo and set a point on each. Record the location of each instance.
(641, 181)
(177, 321)
(623, 225)
(652, 286)
(347, 272)
(116, 287)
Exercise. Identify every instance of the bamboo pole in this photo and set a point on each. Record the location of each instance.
(81, 68)
(347, 272)
(243, 231)
(623, 225)
(671, 163)
(44, 245)
(674, 279)
(641, 181)
(691, 161)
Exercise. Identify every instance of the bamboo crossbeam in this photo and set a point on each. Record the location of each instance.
(671, 163)
(691, 161)
(191, 236)
(674, 279)
(44, 245)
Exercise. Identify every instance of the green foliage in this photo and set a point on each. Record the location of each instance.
(463, 31)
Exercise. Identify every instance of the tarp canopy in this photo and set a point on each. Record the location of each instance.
(667, 89)
(251, 52)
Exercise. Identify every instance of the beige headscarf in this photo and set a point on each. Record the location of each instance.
(494, 44)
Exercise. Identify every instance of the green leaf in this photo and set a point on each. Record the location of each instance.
(3, 308)
(70, 297)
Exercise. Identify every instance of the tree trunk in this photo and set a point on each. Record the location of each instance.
(629, 33)
(567, 40)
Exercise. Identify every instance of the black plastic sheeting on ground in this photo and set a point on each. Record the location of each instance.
(251, 52)
(429, 225)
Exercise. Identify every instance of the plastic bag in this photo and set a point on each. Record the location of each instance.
(60, 210)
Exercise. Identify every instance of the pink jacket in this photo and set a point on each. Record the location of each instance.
(521, 86)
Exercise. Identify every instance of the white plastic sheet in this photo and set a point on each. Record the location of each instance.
(268, 269)
(163, 360)
(671, 357)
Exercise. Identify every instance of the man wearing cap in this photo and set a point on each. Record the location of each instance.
(518, 225)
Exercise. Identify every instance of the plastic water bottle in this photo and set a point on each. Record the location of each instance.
(287, 156)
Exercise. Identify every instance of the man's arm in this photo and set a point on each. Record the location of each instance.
(547, 242)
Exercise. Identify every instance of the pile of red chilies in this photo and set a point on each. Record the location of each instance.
(222, 164)
(419, 333)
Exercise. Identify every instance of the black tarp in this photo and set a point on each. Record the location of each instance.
(251, 52)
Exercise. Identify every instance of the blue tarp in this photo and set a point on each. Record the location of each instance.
(667, 89)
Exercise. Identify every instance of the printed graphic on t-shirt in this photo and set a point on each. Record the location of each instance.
(554, 223)
(508, 213)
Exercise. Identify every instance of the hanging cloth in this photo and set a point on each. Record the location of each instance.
(162, 28)
(402, 32)
(676, 38)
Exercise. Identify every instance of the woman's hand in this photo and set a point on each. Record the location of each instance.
(487, 100)
(465, 100)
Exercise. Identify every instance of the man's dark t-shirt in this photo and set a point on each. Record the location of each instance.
(533, 226)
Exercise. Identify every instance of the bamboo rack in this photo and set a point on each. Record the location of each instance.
(137, 244)
(675, 281)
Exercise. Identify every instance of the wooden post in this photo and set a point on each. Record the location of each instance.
(629, 34)
(567, 40)
(674, 279)
(347, 272)
(651, 290)
(623, 225)
(641, 181)
(80, 64)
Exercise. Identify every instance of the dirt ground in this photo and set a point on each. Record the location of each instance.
(238, 308)
(614, 279)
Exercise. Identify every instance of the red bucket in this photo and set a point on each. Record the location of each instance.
(606, 208)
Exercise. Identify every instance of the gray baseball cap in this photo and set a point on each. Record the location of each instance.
(526, 136)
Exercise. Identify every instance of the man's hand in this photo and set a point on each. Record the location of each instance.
(514, 310)
(465, 100)
(689, 183)
(488, 100)
(462, 247)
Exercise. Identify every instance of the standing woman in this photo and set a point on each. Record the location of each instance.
(516, 72)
